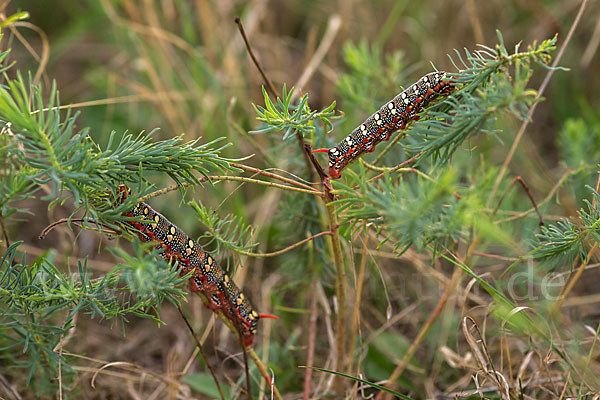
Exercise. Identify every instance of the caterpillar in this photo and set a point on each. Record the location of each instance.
(393, 115)
(207, 276)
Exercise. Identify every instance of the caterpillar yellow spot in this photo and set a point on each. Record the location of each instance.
(403, 108)
(208, 277)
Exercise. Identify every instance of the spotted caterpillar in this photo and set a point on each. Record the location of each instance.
(207, 277)
(393, 115)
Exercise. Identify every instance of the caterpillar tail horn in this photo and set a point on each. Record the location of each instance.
(320, 150)
(268, 316)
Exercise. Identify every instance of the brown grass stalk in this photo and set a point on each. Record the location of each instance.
(401, 366)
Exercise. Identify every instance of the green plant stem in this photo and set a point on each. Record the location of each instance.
(312, 332)
(569, 286)
(278, 252)
(340, 276)
(356, 310)
(340, 291)
(271, 175)
(259, 182)
(229, 178)
(393, 169)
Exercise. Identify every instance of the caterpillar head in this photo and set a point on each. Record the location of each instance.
(335, 163)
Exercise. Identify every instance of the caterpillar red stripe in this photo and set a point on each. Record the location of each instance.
(393, 115)
(208, 277)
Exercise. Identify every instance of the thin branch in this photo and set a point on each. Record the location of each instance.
(212, 372)
(340, 292)
(248, 349)
(278, 252)
(247, 371)
(495, 256)
(548, 197)
(238, 327)
(320, 171)
(228, 178)
(259, 182)
(43, 60)
(131, 98)
(393, 169)
(270, 86)
(396, 169)
(4, 233)
(340, 276)
(263, 371)
(527, 191)
(565, 292)
(271, 175)
(81, 221)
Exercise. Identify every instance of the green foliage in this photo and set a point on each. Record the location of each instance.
(53, 153)
(489, 88)
(291, 119)
(418, 211)
(412, 212)
(205, 384)
(561, 242)
(41, 148)
(369, 79)
(40, 302)
(149, 277)
(578, 142)
(224, 233)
